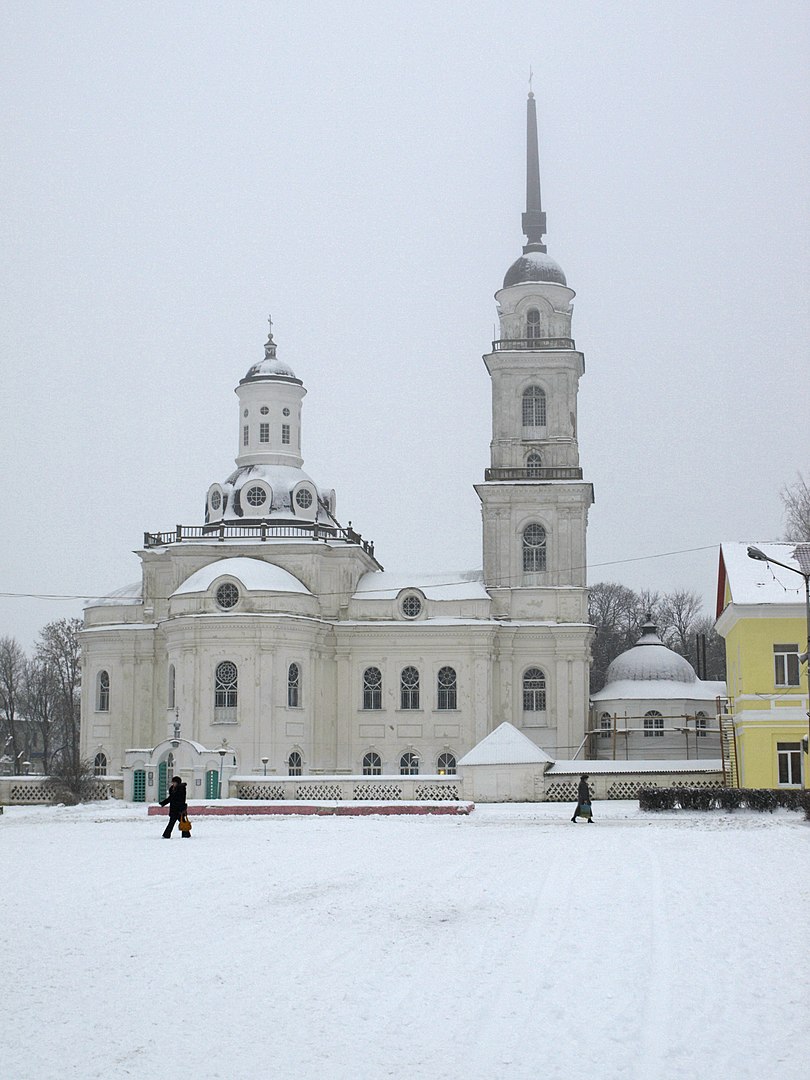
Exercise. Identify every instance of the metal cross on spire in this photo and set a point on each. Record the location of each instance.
(534, 220)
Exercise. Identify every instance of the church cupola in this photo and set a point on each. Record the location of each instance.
(269, 483)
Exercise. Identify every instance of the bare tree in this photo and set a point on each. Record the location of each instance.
(12, 685)
(677, 615)
(58, 650)
(796, 501)
(41, 703)
(715, 648)
(615, 612)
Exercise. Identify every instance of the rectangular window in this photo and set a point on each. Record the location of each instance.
(789, 761)
(285, 434)
(264, 433)
(245, 435)
(786, 665)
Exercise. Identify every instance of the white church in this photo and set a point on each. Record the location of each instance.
(270, 640)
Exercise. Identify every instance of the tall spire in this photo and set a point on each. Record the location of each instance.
(534, 220)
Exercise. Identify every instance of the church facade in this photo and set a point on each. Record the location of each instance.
(269, 637)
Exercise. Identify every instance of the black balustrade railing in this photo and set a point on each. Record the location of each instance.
(506, 344)
(260, 531)
(565, 472)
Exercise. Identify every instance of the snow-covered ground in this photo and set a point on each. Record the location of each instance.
(507, 944)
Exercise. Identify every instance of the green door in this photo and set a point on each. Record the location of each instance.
(212, 784)
(163, 783)
(139, 786)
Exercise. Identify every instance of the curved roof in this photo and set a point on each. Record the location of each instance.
(256, 575)
(534, 266)
(650, 661)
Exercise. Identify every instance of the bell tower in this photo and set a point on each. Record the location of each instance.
(534, 501)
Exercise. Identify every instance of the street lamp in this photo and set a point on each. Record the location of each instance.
(802, 556)
(264, 762)
(222, 752)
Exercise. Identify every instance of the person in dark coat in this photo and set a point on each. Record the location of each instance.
(177, 805)
(583, 800)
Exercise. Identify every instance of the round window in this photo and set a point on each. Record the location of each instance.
(411, 607)
(286, 412)
(216, 500)
(245, 413)
(264, 410)
(256, 496)
(227, 595)
(303, 498)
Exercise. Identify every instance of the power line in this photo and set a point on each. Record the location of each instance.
(431, 584)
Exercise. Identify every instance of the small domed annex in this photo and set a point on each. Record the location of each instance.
(650, 661)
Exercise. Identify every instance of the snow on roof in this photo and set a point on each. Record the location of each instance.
(453, 585)
(660, 689)
(129, 594)
(505, 746)
(255, 574)
(590, 768)
(754, 582)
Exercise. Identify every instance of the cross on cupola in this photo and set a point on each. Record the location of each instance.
(270, 345)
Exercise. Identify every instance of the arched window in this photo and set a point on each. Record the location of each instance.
(446, 765)
(172, 688)
(532, 324)
(534, 690)
(446, 688)
(605, 726)
(409, 764)
(103, 692)
(534, 548)
(701, 725)
(293, 686)
(100, 765)
(534, 407)
(226, 681)
(409, 688)
(295, 764)
(372, 764)
(372, 688)
(653, 724)
(534, 465)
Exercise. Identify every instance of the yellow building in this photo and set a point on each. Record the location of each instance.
(761, 614)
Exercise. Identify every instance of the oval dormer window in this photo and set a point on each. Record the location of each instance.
(216, 500)
(303, 498)
(411, 607)
(256, 496)
(227, 595)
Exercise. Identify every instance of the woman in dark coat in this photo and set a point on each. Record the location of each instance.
(583, 800)
(177, 805)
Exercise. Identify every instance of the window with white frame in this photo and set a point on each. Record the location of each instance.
(226, 686)
(409, 688)
(533, 324)
(293, 686)
(789, 763)
(103, 692)
(372, 764)
(446, 765)
(534, 407)
(245, 435)
(100, 765)
(285, 434)
(534, 549)
(446, 689)
(409, 764)
(653, 724)
(605, 726)
(701, 725)
(372, 688)
(295, 764)
(534, 464)
(264, 432)
(534, 690)
(786, 665)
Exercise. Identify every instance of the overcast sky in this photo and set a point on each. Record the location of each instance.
(173, 172)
